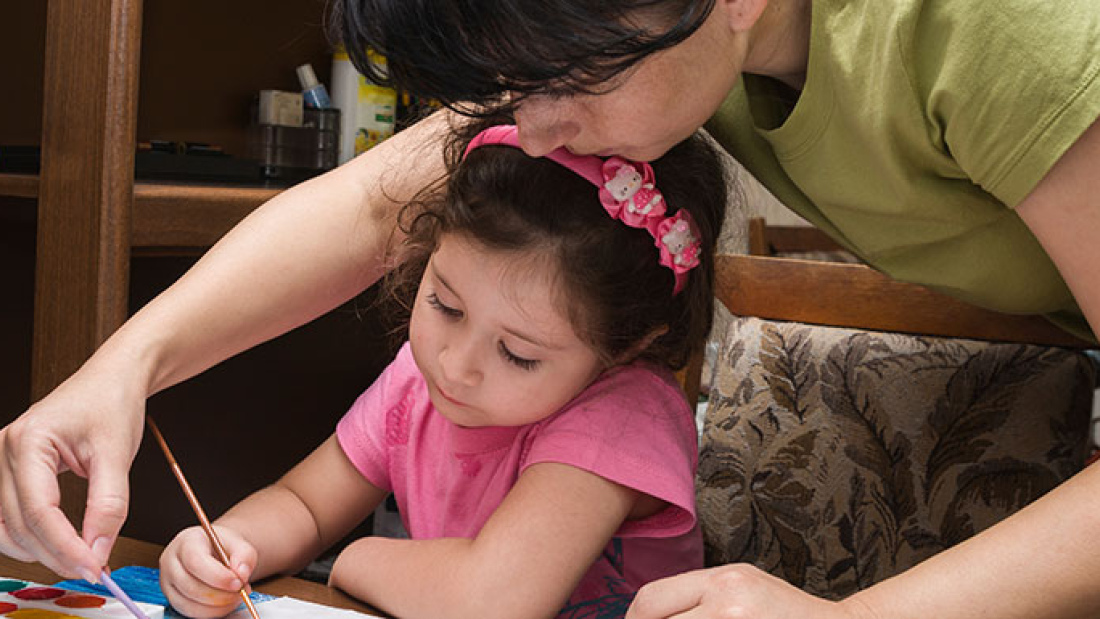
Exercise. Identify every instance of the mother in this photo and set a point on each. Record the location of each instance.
(948, 142)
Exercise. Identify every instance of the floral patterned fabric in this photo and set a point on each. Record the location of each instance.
(835, 458)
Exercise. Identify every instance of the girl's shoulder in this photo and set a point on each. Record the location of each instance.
(402, 373)
(640, 392)
(650, 377)
(633, 426)
(398, 391)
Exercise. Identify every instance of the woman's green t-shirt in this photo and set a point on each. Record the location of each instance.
(921, 125)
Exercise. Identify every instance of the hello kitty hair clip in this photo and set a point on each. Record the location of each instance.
(628, 192)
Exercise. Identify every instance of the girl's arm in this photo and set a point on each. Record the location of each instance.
(311, 508)
(525, 562)
(277, 530)
(1040, 563)
(303, 253)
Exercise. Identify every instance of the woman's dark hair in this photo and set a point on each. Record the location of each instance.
(614, 290)
(472, 51)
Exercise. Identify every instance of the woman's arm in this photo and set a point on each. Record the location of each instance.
(525, 562)
(1039, 563)
(301, 254)
(1063, 212)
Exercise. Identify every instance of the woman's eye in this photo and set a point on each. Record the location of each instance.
(449, 312)
(520, 362)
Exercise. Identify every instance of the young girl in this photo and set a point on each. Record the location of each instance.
(538, 447)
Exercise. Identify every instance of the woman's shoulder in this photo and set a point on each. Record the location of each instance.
(984, 37)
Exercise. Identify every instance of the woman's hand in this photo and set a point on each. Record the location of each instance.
(285, 264)
(736, 591)
(90, 425)
(196, 582)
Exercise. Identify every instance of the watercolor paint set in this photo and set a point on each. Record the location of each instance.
(20, 599)
(79, 599)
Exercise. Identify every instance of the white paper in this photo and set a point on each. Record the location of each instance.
(293, 608)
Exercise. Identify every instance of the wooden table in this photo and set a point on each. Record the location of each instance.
(133, 552)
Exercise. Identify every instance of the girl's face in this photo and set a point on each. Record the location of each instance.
(490, 341)
(646, 110)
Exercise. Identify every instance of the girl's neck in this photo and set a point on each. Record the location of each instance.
(779, 43)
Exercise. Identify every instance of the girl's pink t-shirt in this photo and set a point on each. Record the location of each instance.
(632, 426)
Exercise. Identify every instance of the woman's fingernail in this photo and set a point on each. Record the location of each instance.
(86, 574)
(101, 548)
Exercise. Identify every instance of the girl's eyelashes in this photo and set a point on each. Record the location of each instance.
(520, 362)
(509, 356)
(436, 304)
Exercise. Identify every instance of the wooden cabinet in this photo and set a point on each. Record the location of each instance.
(96, 76)
(88, 79)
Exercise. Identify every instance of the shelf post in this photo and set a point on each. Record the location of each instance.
(89, 124)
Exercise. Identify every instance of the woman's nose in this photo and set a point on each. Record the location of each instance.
(545, 124)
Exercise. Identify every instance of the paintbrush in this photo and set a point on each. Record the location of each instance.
(120, 595)
(191, 498)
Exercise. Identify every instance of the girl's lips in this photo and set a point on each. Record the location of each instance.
(447, 397)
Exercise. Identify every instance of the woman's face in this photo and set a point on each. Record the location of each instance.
(646, 110)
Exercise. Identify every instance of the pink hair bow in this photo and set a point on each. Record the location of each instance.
(628, 191)
(629, 194)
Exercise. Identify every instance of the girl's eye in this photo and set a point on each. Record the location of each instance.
(449, 312)
(520, 362)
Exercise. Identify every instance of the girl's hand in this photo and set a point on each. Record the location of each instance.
(196, 582)
(737, 591)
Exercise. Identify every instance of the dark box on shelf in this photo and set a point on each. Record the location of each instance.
(289, 153)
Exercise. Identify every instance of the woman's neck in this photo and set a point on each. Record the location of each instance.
(779, 43)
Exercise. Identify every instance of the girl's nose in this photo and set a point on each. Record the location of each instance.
(545, 124)
(459, 364)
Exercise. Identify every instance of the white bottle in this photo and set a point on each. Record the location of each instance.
(368, 110)
(345, 97)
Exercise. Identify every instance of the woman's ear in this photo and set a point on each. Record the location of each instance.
(740, 15)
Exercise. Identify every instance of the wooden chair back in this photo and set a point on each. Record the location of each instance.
(772, 240)
(859, 297)
(852, 296)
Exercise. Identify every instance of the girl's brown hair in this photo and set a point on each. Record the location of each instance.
(614, 291)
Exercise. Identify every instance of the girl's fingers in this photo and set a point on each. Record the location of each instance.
(195, 580)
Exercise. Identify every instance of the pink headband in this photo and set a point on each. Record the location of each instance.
(627, 191)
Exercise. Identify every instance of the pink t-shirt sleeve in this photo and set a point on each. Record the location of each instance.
(364, 430)
(634, 427)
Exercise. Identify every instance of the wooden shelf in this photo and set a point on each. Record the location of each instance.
(19, 185)
(170, 216)
(75, 65)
